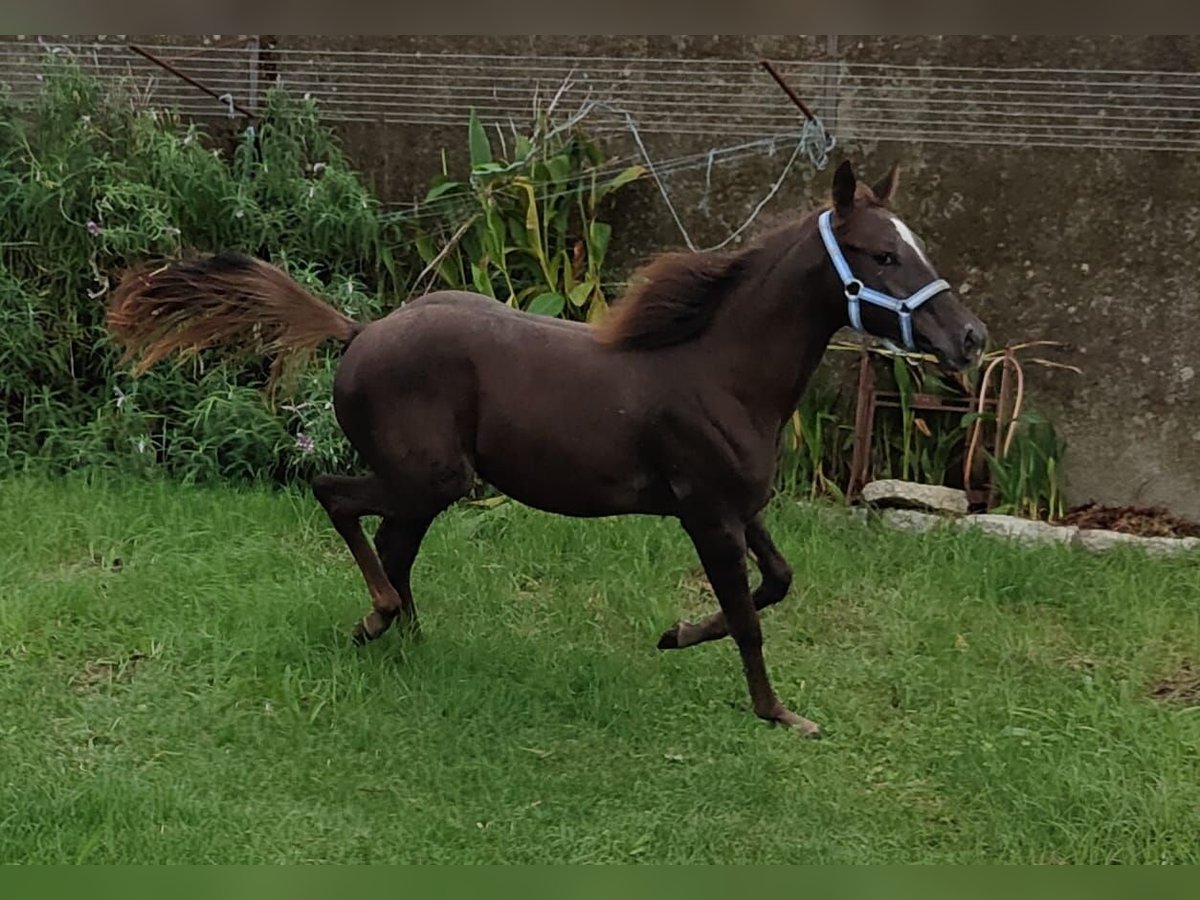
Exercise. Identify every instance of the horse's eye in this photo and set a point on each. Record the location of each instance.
(886, 259)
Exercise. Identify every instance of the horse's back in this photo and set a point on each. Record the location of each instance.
(481, 309)
(522, 397)
(453, 347)
(455, 324)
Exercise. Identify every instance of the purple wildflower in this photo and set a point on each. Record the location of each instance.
(304, 443)
(93, 228)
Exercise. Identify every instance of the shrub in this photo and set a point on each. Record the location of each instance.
(91, 183)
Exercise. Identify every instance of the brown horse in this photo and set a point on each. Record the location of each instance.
(688, 384)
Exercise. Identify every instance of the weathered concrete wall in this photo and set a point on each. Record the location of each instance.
(1093, 247)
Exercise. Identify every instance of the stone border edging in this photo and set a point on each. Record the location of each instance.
(1032, 533)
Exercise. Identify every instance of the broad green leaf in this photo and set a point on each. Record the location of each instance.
(598, 308)
(581, 292)
(516, 232)
(523, 148)
(425, 248)
(496, 234)
(439, 190)
(633, 173)
(548, 304)
(388, 260)
(472, 244)
(592, 152)
(562, 263)
(533, 224)
(561, 219)
(481, 149)
(559, 168)
(483, 284)
(601, 232)
(533, 227)
(452, 274)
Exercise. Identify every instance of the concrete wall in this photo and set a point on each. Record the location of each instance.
(1093, 247)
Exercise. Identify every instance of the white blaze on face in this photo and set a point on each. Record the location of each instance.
(911, 239)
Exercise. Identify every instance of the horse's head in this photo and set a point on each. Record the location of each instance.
(891, 288)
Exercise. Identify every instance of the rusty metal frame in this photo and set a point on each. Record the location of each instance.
(869, 400)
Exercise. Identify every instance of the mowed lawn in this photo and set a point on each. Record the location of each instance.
(177, 684)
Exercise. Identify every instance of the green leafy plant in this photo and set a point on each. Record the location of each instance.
(1028, 479)
(90, 182)
(816, 445)
(526, 230)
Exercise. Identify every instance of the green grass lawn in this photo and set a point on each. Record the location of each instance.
(200, 701)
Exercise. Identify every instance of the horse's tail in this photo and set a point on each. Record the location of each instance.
(227, 301)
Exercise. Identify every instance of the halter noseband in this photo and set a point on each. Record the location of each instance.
(856, 290)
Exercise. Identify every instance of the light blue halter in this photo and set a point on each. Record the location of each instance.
(856, 290)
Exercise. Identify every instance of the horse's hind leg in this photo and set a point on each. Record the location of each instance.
(776, 579)
(397, 542)
(347, 500)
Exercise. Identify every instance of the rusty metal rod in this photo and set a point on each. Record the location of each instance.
(190, 80)
(766, 64)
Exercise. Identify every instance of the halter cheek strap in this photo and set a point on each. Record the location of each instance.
(856, 291)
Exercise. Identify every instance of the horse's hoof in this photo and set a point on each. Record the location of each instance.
(798, 724)
(670, 638)
(363, 634)
(805, 728)
(808, 729)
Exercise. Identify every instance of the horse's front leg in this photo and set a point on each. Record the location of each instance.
(776, 579)
(722, 546)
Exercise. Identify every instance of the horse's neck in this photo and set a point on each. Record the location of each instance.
(773, 334)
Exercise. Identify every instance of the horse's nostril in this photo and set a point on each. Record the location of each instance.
(972, 340)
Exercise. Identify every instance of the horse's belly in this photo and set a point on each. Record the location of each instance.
(570, 468)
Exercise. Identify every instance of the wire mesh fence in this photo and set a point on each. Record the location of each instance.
(732, 100)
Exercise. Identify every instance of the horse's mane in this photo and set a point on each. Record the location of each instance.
(675, 297)
(671, 299)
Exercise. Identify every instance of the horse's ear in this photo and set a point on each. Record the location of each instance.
(844, 185)
(885, 190)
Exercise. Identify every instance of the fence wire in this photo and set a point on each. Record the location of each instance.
(735, 99)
